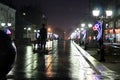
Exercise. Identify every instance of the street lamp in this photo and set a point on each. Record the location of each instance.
(49, 30)
(109, 13)
(77, 32)
(84, 28)
(2, 24)
(9, 24)
(89, 25)
(96, 12)
(100, 29)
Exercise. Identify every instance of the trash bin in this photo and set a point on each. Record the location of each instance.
(7, 54)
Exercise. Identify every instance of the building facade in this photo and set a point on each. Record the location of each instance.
(113, 30)
(7, 18)
(112, 24)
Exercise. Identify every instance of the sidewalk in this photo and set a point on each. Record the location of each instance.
(66, 61)
(112, 61)
(105, 72)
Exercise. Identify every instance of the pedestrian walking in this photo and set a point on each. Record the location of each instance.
(43, 36)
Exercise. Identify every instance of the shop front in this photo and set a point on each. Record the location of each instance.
(110, 35)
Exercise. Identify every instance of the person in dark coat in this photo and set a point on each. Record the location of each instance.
(7, 54)
(43, 36)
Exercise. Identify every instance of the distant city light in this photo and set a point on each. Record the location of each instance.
(38, 31)
(9, 24)
(89, 25)
(82, 28)
(29, 29)
(77, 29)
(82, 25)
(35, 30)
(2, 24)
(49, 29)
(25, 28)
(24, 13)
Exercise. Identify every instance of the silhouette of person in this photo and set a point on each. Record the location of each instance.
(43, 36)
(7, 54)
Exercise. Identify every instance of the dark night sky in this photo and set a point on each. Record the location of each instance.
(65, 13)
(62, 14)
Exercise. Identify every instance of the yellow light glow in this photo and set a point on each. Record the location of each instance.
(49, 29)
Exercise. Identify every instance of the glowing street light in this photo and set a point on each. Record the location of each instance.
(109, 12)
(9, 24)
(84, 29)
(83, 25)
(29, 29)
(3, 24)
(96, 12)
(49, 29)
(89, 25)
(100, 30)
(23, 13)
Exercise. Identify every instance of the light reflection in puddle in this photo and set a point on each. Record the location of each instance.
(49, 59)
(49, 66)
(80, 69)
(30, 62)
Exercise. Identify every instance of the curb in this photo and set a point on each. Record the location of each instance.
(96, 65)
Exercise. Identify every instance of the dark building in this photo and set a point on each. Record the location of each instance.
(26, 14)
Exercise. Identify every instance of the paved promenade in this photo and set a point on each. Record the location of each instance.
(65, 60)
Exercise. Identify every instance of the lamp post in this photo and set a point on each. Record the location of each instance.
(100, 29)
(77, 32)
(85, 33)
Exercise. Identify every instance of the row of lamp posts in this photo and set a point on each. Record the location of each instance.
(84, 28)
(102, 20)
(100, 28)
(81, 34)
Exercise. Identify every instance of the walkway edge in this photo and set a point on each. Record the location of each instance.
(97, 66)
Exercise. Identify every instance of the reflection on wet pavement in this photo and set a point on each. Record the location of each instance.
(63, 62)
(80, 69)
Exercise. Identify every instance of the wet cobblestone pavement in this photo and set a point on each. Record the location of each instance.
(62, 62)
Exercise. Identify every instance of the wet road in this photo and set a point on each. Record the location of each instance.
(63, 62)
